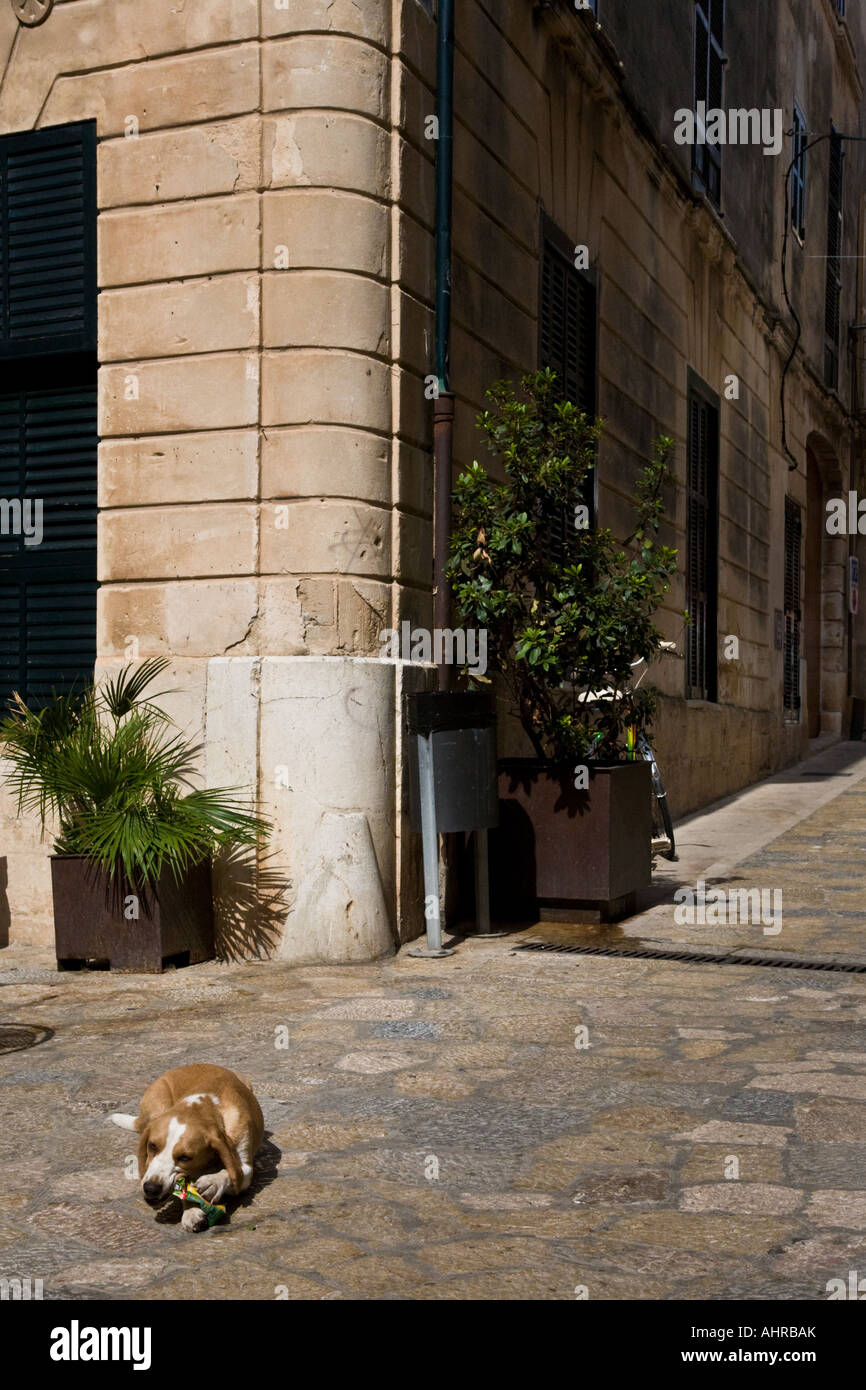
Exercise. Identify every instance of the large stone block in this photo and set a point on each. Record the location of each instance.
(175, 241)
(198, 161)
(325, 229)
(161, 93)
(324, 537)
(178, 318)
(326, 71)
(188, 619)
(214, 466)
(29, 902)
(177, 542)
(322, 462)
(307, 308)
(288, 621)
(413, 548)
(327, 17)
(330, 151)
(328, 388)
(327, 738)
(341, 913)
(188, 393)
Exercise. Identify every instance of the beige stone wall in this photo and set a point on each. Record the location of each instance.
(541, 120)
(264, 476)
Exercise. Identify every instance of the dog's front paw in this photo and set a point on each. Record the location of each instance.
(193, 1219)
(212, 1186)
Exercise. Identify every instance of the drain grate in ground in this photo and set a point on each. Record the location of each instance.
(15, 1037)
(704, 955)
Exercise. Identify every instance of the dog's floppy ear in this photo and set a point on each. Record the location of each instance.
(142, 1149)
(220, 1142)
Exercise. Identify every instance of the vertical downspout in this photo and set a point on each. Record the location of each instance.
(443, 408)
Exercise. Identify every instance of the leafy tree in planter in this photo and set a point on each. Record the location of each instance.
(107, 767)
(566, 608)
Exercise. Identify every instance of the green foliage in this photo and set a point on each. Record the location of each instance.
(105, 766)
(568, 616)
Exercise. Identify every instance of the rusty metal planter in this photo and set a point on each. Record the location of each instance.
(174, 924)
(566, 855)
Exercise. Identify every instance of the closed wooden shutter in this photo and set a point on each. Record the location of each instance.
(48, 455)
(567, 345)
(48, 411)
(567, 328)
(701, 548)
(48, 241)
(833, 292)
(793, 552)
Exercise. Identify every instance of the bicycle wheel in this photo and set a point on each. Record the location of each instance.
(661, 814)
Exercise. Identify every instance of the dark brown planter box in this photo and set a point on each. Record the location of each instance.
(174, 926)
(566, 855)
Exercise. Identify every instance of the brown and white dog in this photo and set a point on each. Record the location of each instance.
(190, 1120)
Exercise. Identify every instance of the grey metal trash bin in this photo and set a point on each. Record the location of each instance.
(452, 786)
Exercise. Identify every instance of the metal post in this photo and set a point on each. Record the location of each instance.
(429, 835)
(482, 884)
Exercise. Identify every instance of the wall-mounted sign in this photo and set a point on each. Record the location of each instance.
(853, 584)
(32, 12)
(778, 629)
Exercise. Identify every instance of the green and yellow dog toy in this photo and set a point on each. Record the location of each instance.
(185, 1190)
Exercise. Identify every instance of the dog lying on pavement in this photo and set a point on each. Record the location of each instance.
(191, 1119)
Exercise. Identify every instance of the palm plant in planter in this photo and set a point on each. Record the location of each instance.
(134, 838)
(567, 610)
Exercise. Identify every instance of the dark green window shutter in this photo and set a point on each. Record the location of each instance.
(48, 455)
(48, 413)
(702, 484)
(567, 327)
(567, 333)
(793, 548)
(48, 241)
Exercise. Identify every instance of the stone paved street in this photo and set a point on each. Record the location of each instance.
(434, 1132)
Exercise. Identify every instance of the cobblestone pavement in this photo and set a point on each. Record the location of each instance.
(438, 1130)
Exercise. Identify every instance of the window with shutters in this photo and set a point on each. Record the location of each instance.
(793, 548)
(567, 332)
(798, 174)
(702, 488)
(709, 72)
(48, 421)
(833, 291)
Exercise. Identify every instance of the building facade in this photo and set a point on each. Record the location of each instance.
(217, 349)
